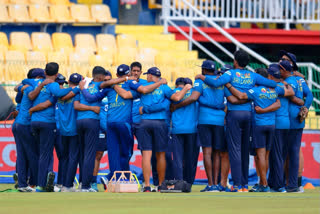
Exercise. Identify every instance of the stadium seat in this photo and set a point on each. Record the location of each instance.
(60, 14)
(61, 59)
(40, 13)
(35, 59)
(101, 13)
(81, 13)
(19, 2)
(41, 42)
(42, 2)
(85, 42)
(147, 57)
(106, 43)
(19, 13)
(4, 16)
(101, 60)
(60, 2)
(62, 42)
(126, 40)
(126, 55)
(79, 63)
(20, 41)
(15, 66)
(3, 42)
(4, 2)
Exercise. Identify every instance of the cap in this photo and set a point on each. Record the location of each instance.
(187, 81)
(180, 81)
(123, 70)
(291, 56)
(37, 72)
(208, 64)
(107, 73)
(274, 70)
(75, 78)
(61, 79)
(153, 71)
(285, 65)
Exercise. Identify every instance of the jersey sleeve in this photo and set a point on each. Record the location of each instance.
(168, 92)
(28, 82)
(251, 94)
(53, 100)
(198, 86)
(260, 80)
(163, 106)
(307, 94)
(134, 85)
(19, 95)
(57, 91)
(91, 98)
(222, 80)
(76, 90)
(77, 97)
(280, 90)
(135, 94)
(227, 93)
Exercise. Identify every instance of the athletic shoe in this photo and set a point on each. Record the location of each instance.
(84, 190)
(262, 188)
(213, 188)
(15, 178)
(147, 189)
(294, 190)
(301, 189)
(80, 186)
(223, 189)
(40, 189)
(26, 189)
(104, 182)
(155, 189)
(50, 182)
(282, 190)
(57, 188)
(92, 190)
(95, 187)
(236, 189)
(205, 189)
(245, 188)
(254, 188)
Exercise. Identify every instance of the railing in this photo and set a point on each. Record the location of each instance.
(255, 11)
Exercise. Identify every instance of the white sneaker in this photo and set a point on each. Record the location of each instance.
(80, 186)
(92, 190)
(301, 189)
(26, 189)
(57, 188)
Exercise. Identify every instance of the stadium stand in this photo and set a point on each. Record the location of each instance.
(40, 13)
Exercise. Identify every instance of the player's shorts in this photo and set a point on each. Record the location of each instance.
(212, 136)
(263, 137)
(102, 143)
(153, 135)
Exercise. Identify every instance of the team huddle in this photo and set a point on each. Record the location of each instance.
(230, 113)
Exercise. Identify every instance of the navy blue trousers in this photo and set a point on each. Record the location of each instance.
(276, 161)
(71, 150)
(238, 139)
(45, 135)
(62, 158)
(88, 131)
(120, 144)
(291, 150)
(185, 156)
(27, 154)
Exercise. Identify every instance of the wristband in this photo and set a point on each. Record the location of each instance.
(127, 78)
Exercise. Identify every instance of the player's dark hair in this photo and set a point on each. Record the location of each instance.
(187, 81)
(136, 64)
(262, 71)
(52, 68)
(30, 73)
(98, 70)
(180, 81)
(242, 58)
(211, 71)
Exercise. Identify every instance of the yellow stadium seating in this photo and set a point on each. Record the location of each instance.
(106, 44)
(101, 13)
(19, 13)
(60, 14)
(40, 13)
(41, 42)
(4, 45)
(62, 42)
(126, 40)
(139, 29)
(15, 66)
(146, 57)
(42, 2)
(101, 60)
(4, 16)
(90, 2)
(60, 2)
(4, 1)
(79, 63)
(61, 59)
(126, 55)
(85, 42)
(35, 59)
(20, 41)
(81, 13)
(19, 1)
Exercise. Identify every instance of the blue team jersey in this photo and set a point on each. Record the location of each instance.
(242, 80)
(119, 109)
(136, 117)
(185, 119)
(209, 115)
(93, 88)
(103, 114)
(48, 92)
(24, 117)
(67, 117)
(155, 97)
(264, 97)
(282, 114)
(294, 109)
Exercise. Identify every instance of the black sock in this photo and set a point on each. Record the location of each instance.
(299, 181)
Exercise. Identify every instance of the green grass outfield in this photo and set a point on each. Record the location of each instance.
(153, 203)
